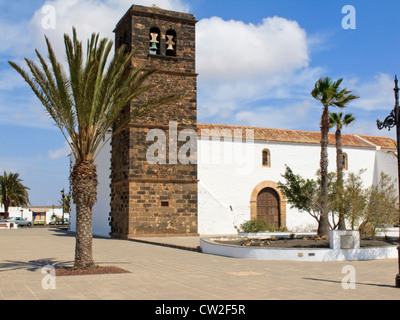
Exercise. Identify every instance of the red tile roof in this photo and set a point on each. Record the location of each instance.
(283, 135)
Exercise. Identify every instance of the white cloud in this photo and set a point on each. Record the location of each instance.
(241, 64)
(287, 116)
(369, 128)
(61, 152)
(236, 50)
(20, 107)
(88, 16)
(13, 37)
(227, 97)
(9, 79)
(375, 94)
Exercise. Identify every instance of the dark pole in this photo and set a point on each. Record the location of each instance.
(397, 113)
(63, 197)
(394, 120)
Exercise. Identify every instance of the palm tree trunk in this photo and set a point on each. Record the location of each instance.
(84, 192)
(6, 207)
(323, 228)
(339, 168)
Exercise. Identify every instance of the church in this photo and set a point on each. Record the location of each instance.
(168, 175)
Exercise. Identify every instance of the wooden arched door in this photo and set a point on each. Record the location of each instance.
(268, 207)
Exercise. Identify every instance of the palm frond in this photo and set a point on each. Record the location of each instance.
(12, 191)
(88, 100)
(340, 121)
(329, 94)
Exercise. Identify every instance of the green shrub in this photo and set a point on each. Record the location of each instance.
(254, 226)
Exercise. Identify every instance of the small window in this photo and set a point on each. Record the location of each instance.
(164, 204)
(170, 43)
(345, 162)
(266, 158)
(123, 40)
(154, 47)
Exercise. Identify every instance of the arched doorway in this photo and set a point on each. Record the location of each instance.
(268, 207)
(270, 196)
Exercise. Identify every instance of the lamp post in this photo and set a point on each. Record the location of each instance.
(393, 120)
(63, 197)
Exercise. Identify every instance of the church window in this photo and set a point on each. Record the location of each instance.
(154, 46)
(345, 162)
(171, 43)
(123, 40)
(266, 158)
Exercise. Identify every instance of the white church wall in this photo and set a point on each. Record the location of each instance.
(102, 208)
(386, 162)
(226, 184)
(214, 216)
(362, 159)
(232, 184)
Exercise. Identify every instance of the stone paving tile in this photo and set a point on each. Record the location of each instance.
(173, 274)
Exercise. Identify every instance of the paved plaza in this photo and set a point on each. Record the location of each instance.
(165, 273)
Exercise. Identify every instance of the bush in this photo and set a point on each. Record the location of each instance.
(254, 226)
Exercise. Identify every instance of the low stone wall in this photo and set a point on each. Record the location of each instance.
(8, 225)
(268, 235)
(340, 240)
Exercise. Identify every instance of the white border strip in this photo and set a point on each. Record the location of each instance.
(209, 246)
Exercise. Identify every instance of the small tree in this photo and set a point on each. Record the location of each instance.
(377, 205)
(301, 193)
(382, 209)
(354, 198)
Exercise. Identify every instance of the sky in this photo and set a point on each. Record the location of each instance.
(258, 61)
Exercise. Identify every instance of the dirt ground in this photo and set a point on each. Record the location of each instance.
(63, 272)
(306, 243)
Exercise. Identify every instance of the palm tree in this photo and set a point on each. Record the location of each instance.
(66, 202)
(340, 121)
(84, 104)
(12, 192)
(329, 94)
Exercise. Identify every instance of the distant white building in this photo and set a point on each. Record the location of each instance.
(238, 178)
(37, 215)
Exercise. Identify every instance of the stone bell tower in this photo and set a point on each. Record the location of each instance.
(157, 199)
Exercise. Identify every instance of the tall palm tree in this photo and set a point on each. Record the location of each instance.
(329, 94)
(84, 103)
(340, 121)
(12, 192)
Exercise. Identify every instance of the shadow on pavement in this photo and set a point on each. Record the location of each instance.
(32, 265)
(357, 283)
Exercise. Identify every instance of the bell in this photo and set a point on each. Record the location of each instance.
(170, 43)
(154, 37)
(154, 46)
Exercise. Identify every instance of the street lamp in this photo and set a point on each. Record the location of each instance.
(393, 120)
(63, 197)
